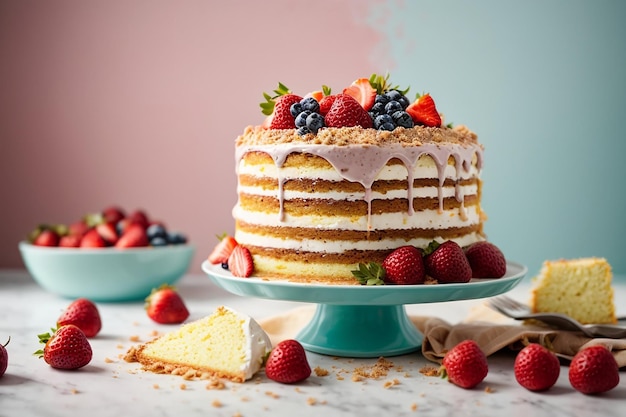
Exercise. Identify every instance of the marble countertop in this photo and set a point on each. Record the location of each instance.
(110, 386)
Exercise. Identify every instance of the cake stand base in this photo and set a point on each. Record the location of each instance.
(357, 331)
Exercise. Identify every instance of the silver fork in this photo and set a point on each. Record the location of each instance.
(516, 310)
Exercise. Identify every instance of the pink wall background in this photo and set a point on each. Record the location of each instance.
(138, 103)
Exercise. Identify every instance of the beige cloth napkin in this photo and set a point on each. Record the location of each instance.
(490, 330)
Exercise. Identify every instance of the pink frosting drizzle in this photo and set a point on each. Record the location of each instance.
(362, 163)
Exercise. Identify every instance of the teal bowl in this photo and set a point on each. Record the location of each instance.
(105, 274)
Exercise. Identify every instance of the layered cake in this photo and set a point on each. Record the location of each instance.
(333, 184)
(579, 288)
(227, 344)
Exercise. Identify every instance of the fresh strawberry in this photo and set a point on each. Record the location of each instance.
(465, 364)
(404, 266)
(486, 260)
(447, 262)
(70, 241)
(282, 117)
(326, 103)
(287, 363)
(78, 228)
(139, 217)
(424, 112)
(347, 112)
(536, 368)
(47, 237)
(66, 348)
(113, 214)
(240, 262)
(83, 314)
(4, 357)
(165, 305)
(593, 370)
(363, 92)
(92, 239)
(222, 251)
(134, 236)
(108, 232)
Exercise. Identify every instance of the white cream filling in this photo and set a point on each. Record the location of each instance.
(425, 219)
(338, 246)
(420, 192)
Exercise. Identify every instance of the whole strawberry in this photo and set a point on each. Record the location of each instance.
(83, 314)
(66, 348)
(447, 263)
(346, 112)
(287, 363)
(164, 305)
(594, 370)
(465, 364)
(282, 117)
(404, 266)
(486, 260)
(4, 357)
(536, 368)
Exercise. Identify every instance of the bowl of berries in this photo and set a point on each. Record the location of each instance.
(108, 256)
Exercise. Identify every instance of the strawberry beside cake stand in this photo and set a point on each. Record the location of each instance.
(362, 321)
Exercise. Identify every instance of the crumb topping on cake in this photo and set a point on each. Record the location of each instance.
(343, 136)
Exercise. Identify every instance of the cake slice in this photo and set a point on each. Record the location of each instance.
(225, 344)
(580, 288)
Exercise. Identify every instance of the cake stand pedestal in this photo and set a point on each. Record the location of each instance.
(360, 321)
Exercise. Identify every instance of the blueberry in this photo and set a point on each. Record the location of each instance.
(392, 107)
(382, 99)
(156, 230)
(381, 120)
(159, 241)
(295, 109)
(394, 95)
(404, 102)
(387, 126)
(176, 238)
(315, 122)
(378, 108)
(402, 118)
(301, 118)
(310, 104)
(303, 131)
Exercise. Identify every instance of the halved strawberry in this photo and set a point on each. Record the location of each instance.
(363, 92)
(317, 95)
(240, 262)
(222, 251)
(424, 112)
(108, 232)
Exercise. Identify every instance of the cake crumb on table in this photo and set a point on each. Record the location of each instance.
(429, 371)
(183, 386)
(414, 407)
(389, 384)
(320, 371)
(216, 403)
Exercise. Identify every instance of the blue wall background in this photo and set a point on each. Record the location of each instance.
(543, 84)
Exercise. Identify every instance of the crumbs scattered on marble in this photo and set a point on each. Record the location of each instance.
(216, 403)
(272, 394)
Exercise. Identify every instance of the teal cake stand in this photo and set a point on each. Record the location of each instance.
(360, 321)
